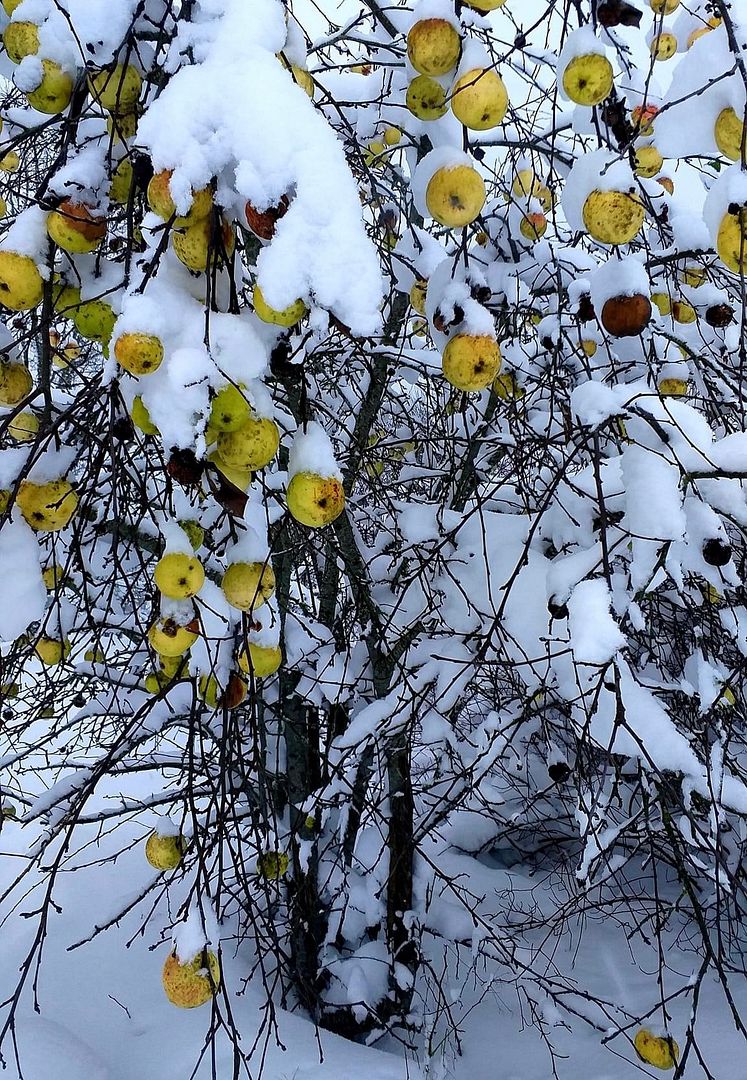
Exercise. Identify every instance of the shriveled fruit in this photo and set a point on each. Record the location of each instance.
(626, 316)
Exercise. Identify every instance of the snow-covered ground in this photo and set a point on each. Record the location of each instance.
(103, 1015)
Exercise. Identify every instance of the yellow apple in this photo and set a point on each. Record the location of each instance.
(694, 276)
(53, 577)
(471, 361)
(51, 651)
(21, 285)
(247, 585)
(315, 500)
(21, 39)
(65, 298)
(122, 126)
(261, 660)
(141, 417)
(663, 46)
(731, 243)
(240, 478)
(433, 46)
(455, 195)
(728, 131)
(479, 99)
(9, 6)
(75, 228)
(252, 447)
(287, 316)
(613, 217)
(193, 983)
(643, 117)
(484, 6)
(526, 184)
(94, 319)
(10, 162)
(683, 312)
(140, 354)
(507, 388)
(229, 409)
(392, 136)
(272, 865)
(15, 383)
(161, 202)
(53, 93)
(194, 246)
(167, 638)
(23, 427)
(179, 576)
(533, 226)
(195, 533)
(165, 852)
(664, 7)
(116, 89)
(587, 79)
(47, 507)
(648, 161)
(672, 387)
(590, 346)
(426, 98)
(418, 295)
(300, 75)
(656, 1051)
(663, 302)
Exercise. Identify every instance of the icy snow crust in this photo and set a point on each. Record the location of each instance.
(238, 114)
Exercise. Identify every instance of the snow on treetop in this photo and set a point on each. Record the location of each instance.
(582, 42)
(274, 143)
(729, 187)
(443, 157)
(601, 170)
(618, 277)
(311, 451)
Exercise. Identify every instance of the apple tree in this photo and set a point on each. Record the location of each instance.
(372, 491)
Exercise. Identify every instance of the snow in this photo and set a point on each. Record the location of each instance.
(311, 451)
(595, 636)
(600, 170)
(618, 277)
(443, 157)
(276, 142)
(654, 500)
(23, 596)
(581, 42)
